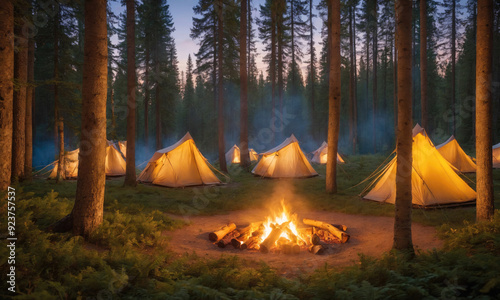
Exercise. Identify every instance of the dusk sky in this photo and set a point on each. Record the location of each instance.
(182, 13)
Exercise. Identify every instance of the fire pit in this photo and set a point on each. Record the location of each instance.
(281, 233)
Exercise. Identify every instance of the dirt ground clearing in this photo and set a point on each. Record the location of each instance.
(370, 235)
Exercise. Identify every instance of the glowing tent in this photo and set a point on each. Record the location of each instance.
(456, 156)
(114, 165)
(496, 156)
(181, 164)
(321, 154)
(434, 181)
(284, 161)
(233, 155)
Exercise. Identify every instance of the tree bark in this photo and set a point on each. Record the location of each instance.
(146, 97)
(333, 97)
(58, 116)
(351, 83)
(485, 206)
(158, 103)
(28, 160)
(130, 176)
(402, 222)
(374, 56)
(311, 50)
(6, 90)
(19, 110)
(244, 156)
(220, 83)
(87, 213)
(423, 62)
(453, 62)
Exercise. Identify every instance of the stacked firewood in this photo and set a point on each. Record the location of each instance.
(313, 235)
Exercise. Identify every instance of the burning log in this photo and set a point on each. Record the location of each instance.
(219, 234)
(244, 234)
(315, 239)
(317, 249)
(227, 239)
(291, 236)
(251, 243)
(342, 236)
(271, 239)
(341, 227)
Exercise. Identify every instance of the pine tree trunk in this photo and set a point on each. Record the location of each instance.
(355, 74)
(333, 97)
(146, 98)
(158, 109)
(130, 176)
(244, 156)
(453, 63)
(280, 68)
(58, 115)
(87, 213)
(311, 50)
(485, 206)
(395, 92)
(402, 223)
(220, 83)
(374, 56)
(351, 83)
(423, 62)
(28, 160)
(19, 116)
(273, 69)
(6, 90)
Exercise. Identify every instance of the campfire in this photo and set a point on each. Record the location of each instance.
(283, 233)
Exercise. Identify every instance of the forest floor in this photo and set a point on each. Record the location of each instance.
(369, 235)
(153, 243)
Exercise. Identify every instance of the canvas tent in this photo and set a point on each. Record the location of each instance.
(284, 161)
(456, 156)
(434, 181)
(320, 155)
(496, 156)
(181, 164)
(114, 165)
(233, 155)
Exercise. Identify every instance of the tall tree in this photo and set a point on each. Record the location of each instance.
(244, 156)
(130, 176)
(20, 78)
(6, 90)
(28, 160)
(423, 62)
(87, 213)
(58, 117)
(402, 222)
(312, 59)
(351, 80)
(449, 19)
(374, 28)
(220, 86)
(485, 198)
(333, 96)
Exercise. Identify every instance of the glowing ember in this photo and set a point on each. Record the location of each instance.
(285, 220)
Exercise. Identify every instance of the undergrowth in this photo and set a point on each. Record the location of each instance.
(128, 258)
